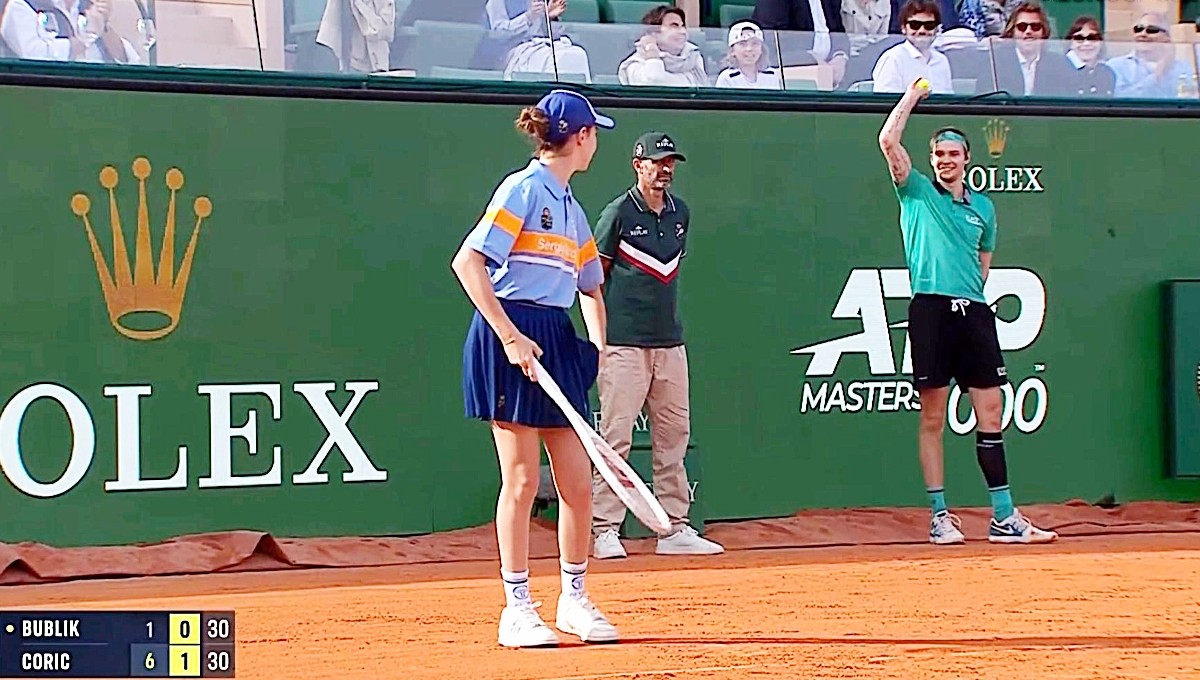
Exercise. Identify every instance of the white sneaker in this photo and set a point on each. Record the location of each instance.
(608, 545)
(687, 541)
(943, 529)
(578, 616)
(1017, 529)
(520, 626)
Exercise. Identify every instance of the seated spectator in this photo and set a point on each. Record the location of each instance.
(1023, 66)
(360, 34)
(520, 31)
(869, 21)
(62, 37)
(824, 39)
(663, 56)
(747, 61)
(987, 17)
(1092, 77)
(915, 58)
(1151, 70)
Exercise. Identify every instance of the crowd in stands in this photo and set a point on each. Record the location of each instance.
(862, 45)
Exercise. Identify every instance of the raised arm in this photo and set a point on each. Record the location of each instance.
(899, 164)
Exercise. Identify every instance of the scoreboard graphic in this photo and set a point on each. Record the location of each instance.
(117, 644)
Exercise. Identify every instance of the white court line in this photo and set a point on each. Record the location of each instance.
(664, 671)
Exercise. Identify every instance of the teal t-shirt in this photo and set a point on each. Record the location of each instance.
(943, 238)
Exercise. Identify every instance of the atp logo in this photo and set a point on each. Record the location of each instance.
(863, 297)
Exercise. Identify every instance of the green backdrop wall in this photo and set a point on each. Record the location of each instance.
(323, 274)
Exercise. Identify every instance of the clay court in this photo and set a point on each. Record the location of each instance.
(1116, 597)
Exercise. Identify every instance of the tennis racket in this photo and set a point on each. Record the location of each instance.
(630, 488)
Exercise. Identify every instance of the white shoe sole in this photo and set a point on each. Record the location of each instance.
(609, 556)
(685, 551)
(593, 638)
(1022, 539)
(953, 540)
(538, 645)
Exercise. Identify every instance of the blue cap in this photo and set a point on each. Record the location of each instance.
(569, 112)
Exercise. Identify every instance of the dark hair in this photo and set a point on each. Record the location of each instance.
(915, 7)
(1026, 7)
(655, 16)
(1082, 21)
(533, 123)
(950, 128)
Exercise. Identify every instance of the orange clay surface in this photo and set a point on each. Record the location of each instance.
(1087, 607)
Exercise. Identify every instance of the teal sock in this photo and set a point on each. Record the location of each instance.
(1002, 505)
(937, 499)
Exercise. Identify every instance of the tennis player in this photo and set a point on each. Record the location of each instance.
(521, 267)
(949, 237)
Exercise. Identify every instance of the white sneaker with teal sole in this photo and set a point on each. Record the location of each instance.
(1017, 529)
(944, 529)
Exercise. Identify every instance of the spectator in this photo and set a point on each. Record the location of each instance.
(1023, 67)
(869, 21)
(747, 61)
(520, 28)
(62, 36)
(986, 17)
(1091, 77)
(663, 56)
(1151, 70)
(821, 20)
(360, 33)
(915, 58)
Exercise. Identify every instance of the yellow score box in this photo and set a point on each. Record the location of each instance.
(185, 629)
(185, 661)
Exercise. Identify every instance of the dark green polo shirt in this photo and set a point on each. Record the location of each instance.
(640, 291)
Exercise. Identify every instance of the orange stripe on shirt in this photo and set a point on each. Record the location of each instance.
(501, 217)
(587, 253)
(548, 245)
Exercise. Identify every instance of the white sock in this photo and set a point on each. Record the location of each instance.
(572, 578)
(516, 587)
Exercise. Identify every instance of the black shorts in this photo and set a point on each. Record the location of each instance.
(954, 338)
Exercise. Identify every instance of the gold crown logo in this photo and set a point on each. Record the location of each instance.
(995, 131)
(139, 290)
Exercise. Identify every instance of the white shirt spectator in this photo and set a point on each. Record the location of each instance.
(767, 79)
(1029, 69)
(25, 36)
(901, 65)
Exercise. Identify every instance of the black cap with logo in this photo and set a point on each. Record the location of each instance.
(656, 146)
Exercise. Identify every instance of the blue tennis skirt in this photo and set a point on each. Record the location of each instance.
(496, 390)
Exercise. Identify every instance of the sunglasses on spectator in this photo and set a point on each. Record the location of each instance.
(927, 25)
(1148, 30)
(1085, 36)
(1026, 26)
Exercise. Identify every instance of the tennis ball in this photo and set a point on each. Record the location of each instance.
(923, 83)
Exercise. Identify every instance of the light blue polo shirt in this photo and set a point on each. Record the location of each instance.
(537, 240)
(943, 238)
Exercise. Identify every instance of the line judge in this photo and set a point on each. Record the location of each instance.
(641, 237)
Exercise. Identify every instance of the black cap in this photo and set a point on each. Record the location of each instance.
(656, 146)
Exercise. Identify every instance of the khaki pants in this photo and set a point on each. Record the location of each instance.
(657, 378)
